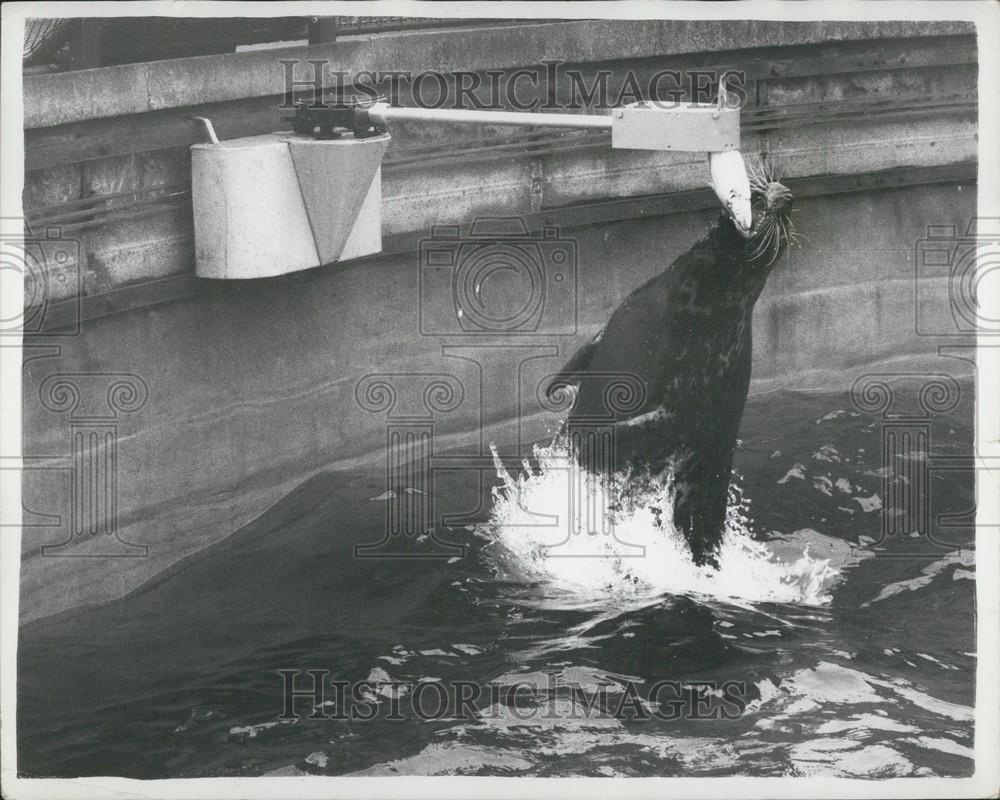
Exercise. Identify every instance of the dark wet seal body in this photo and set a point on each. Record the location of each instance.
(686, 335)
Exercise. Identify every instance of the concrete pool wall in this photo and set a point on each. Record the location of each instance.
(230, 394)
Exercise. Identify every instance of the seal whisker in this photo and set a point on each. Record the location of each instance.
(763, 237)
(752, 170)
(757, 248)
(756, 173)
(786, 233)
(776, 245)
(765, 169)
(769, 245)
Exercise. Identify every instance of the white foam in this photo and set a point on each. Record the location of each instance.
(537, 537)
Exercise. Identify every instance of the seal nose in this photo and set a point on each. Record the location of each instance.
(778, 198)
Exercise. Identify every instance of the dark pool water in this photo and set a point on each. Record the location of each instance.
(181, 678)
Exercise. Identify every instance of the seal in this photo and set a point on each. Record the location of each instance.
(685, 337)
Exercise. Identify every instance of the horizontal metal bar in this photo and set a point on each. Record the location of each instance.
(383, 113)
(67, 313)
(524, 146)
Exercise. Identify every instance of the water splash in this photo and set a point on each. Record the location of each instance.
(574, 532)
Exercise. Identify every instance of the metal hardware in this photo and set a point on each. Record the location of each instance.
(336, 118)
(689, 127)
(382, 113)
(208, 126)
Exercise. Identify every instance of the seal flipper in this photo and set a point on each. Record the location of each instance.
(577, 363)
(701, 493)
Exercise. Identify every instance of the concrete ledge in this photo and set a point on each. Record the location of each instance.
(887, 71)
(60, 98)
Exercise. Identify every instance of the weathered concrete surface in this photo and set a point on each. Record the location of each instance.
(252, 386)
(136, 88)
